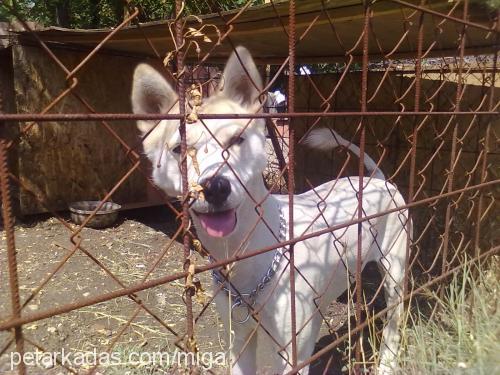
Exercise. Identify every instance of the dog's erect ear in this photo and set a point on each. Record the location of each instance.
(241, 80)
(151, 93)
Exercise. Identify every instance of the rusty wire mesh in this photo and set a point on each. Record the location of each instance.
(427, 115)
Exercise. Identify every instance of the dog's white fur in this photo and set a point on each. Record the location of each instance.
(322, 261)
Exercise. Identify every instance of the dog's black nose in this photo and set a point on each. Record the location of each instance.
(216, 189)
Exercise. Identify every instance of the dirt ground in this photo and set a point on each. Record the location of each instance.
(127, 250)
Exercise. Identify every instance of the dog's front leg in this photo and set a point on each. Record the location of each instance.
(243, 352)
(241, 339)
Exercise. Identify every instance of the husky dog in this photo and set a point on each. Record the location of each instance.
(236, 215)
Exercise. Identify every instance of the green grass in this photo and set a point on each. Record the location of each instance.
(463, 335)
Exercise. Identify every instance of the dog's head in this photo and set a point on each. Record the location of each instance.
(224, 155)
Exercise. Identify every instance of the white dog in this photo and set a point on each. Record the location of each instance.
(227, 159)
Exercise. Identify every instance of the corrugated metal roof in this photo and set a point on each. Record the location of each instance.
(327, 30)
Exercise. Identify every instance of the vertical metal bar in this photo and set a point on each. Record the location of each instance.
(414, 140)
(181, 92)
(8, 223)
(291, 170)
(361, 171)
(486, 145)
(451, 172)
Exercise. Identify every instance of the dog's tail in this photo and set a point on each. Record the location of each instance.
(327, 139)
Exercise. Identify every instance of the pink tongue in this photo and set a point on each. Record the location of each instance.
(218, 224)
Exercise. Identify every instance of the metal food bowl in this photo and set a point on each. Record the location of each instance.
(106, 215)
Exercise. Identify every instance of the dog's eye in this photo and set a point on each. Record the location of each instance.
(177, 149)
(236, 140)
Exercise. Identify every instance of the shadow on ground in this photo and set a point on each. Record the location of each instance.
(335, 361)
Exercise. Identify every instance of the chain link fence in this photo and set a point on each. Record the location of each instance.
(411, 86)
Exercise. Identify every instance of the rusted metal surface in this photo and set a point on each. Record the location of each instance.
(454, 140)
(181, 91)
(8, 222)
(435, 139)
(127, 116)
(361, 173)
(414, 139)
(291, 172)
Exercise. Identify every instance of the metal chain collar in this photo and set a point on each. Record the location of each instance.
(252, 296)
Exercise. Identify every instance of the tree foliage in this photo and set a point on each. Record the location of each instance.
(86, 14)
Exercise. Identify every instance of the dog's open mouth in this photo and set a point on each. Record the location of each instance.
(218, 224)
